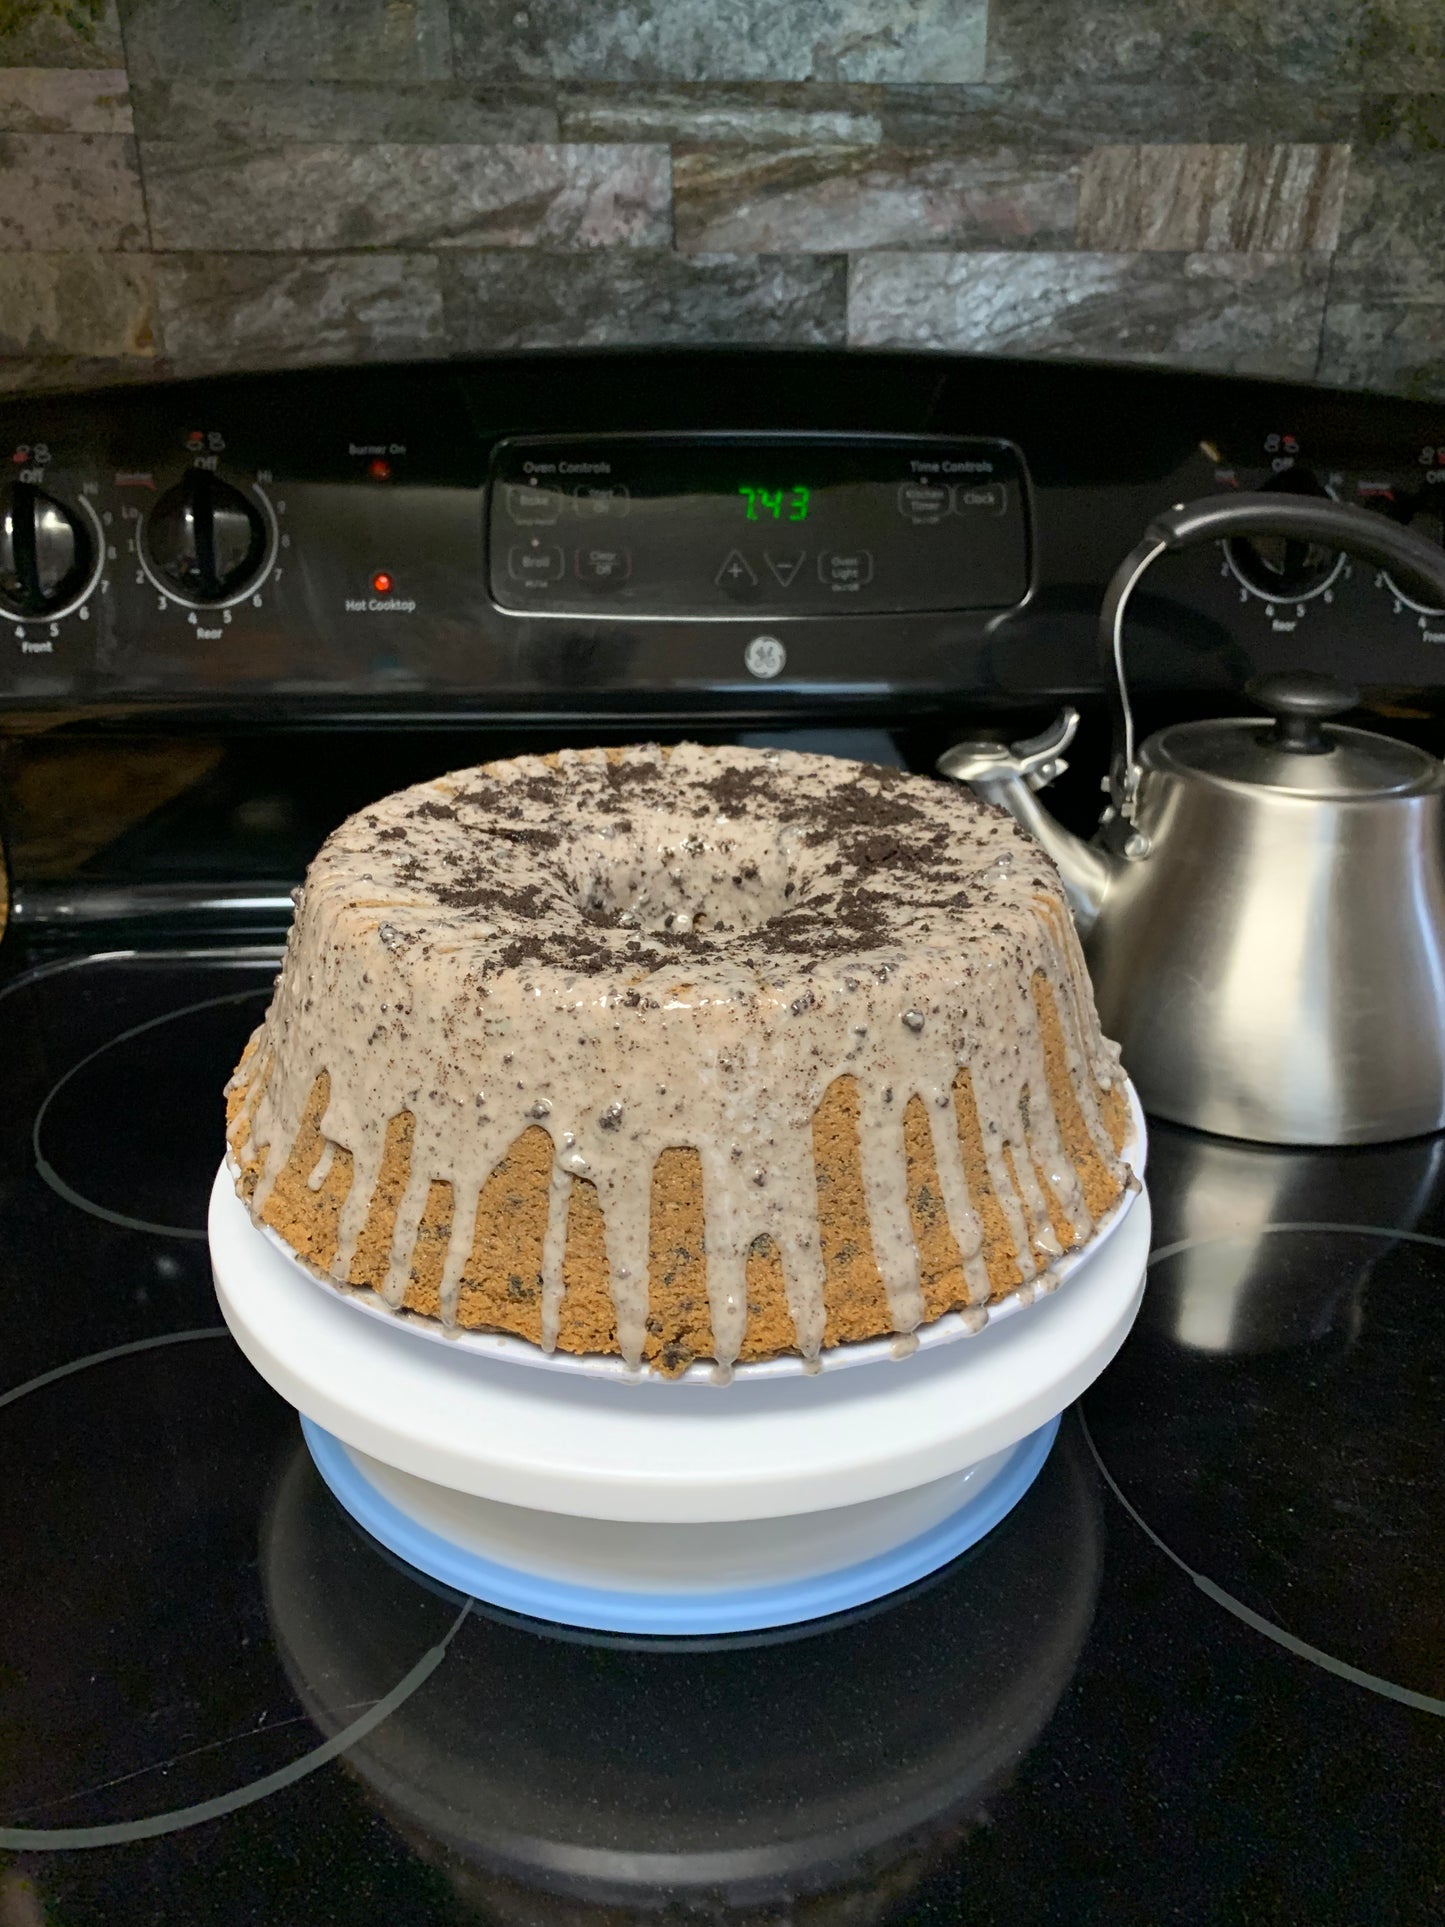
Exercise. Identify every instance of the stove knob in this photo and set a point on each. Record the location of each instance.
(204, 541)
(1280, 568)
(46, 552)
(1425, 517)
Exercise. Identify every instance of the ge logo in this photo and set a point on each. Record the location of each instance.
(765, 657)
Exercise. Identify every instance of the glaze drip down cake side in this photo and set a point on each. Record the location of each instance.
(681, 1054)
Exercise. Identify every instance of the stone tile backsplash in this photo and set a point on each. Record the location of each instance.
(198, 185)
(721, 40)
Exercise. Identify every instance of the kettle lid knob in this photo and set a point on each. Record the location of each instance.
(1300, 700)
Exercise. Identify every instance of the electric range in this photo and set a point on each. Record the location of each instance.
(1197, 1674)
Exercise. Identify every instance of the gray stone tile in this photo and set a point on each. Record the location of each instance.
(64, 100)
(828, 200)
(220, 311)
(542, 300)
(288, 39)
(1061, 116)
(299, 195)
(70, 191)
(77, 305)
(1408, 123)
(1206, 44)
(760, 114)
(1251, 314)
(1074, 114)
(1392, 238)
(722, 40)
(1187, 198)
(86, 34)
(1396, 347)
(257, 112)
(45, 374)
(1401, 44)
(1110, 194)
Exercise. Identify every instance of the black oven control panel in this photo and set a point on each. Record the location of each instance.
(778, 526)
(700, 535)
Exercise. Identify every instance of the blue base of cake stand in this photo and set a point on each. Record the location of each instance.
(681, 1613)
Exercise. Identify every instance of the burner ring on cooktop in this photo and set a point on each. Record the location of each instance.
(66, 1089)
(1212, 1590)
(152, 1826)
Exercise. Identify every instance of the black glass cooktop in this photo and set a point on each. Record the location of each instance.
(1197, 1675)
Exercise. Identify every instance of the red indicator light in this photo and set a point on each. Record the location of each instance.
(379, 469)
(381, 582)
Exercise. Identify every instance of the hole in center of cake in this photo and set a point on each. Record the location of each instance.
(648, 878)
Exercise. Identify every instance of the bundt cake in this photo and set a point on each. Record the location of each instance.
(681, 1054)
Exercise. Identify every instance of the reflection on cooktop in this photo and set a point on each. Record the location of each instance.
(1331, 1530)
(734, 1774)
(1063, 1725)
(1225, 1289)
(153, 1152)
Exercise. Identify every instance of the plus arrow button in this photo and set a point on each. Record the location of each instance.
(736, 572)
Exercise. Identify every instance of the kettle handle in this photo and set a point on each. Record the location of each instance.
(1362, 532)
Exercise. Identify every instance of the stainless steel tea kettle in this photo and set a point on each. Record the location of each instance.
(1263, 904)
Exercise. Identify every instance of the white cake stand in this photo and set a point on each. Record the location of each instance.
(680, 1508)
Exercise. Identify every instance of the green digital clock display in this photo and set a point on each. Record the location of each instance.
(776, 504)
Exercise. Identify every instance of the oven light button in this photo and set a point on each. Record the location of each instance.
(845, 571)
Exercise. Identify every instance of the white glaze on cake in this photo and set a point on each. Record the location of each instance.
(641, 950)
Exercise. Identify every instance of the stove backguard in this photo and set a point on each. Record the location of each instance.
(233, 610)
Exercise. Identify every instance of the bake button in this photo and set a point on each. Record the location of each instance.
(980, 498)
(535, 565)
(845, 570)
(591, 499)
(923, 502)
(532, 506)
(602, 568)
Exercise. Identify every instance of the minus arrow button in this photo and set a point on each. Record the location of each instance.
(786, 567)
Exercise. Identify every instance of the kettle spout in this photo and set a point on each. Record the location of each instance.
(1011, 775)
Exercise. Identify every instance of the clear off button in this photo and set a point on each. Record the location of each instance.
(536, 566)
(602, 568)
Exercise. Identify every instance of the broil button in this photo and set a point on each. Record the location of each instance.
(536, 565)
